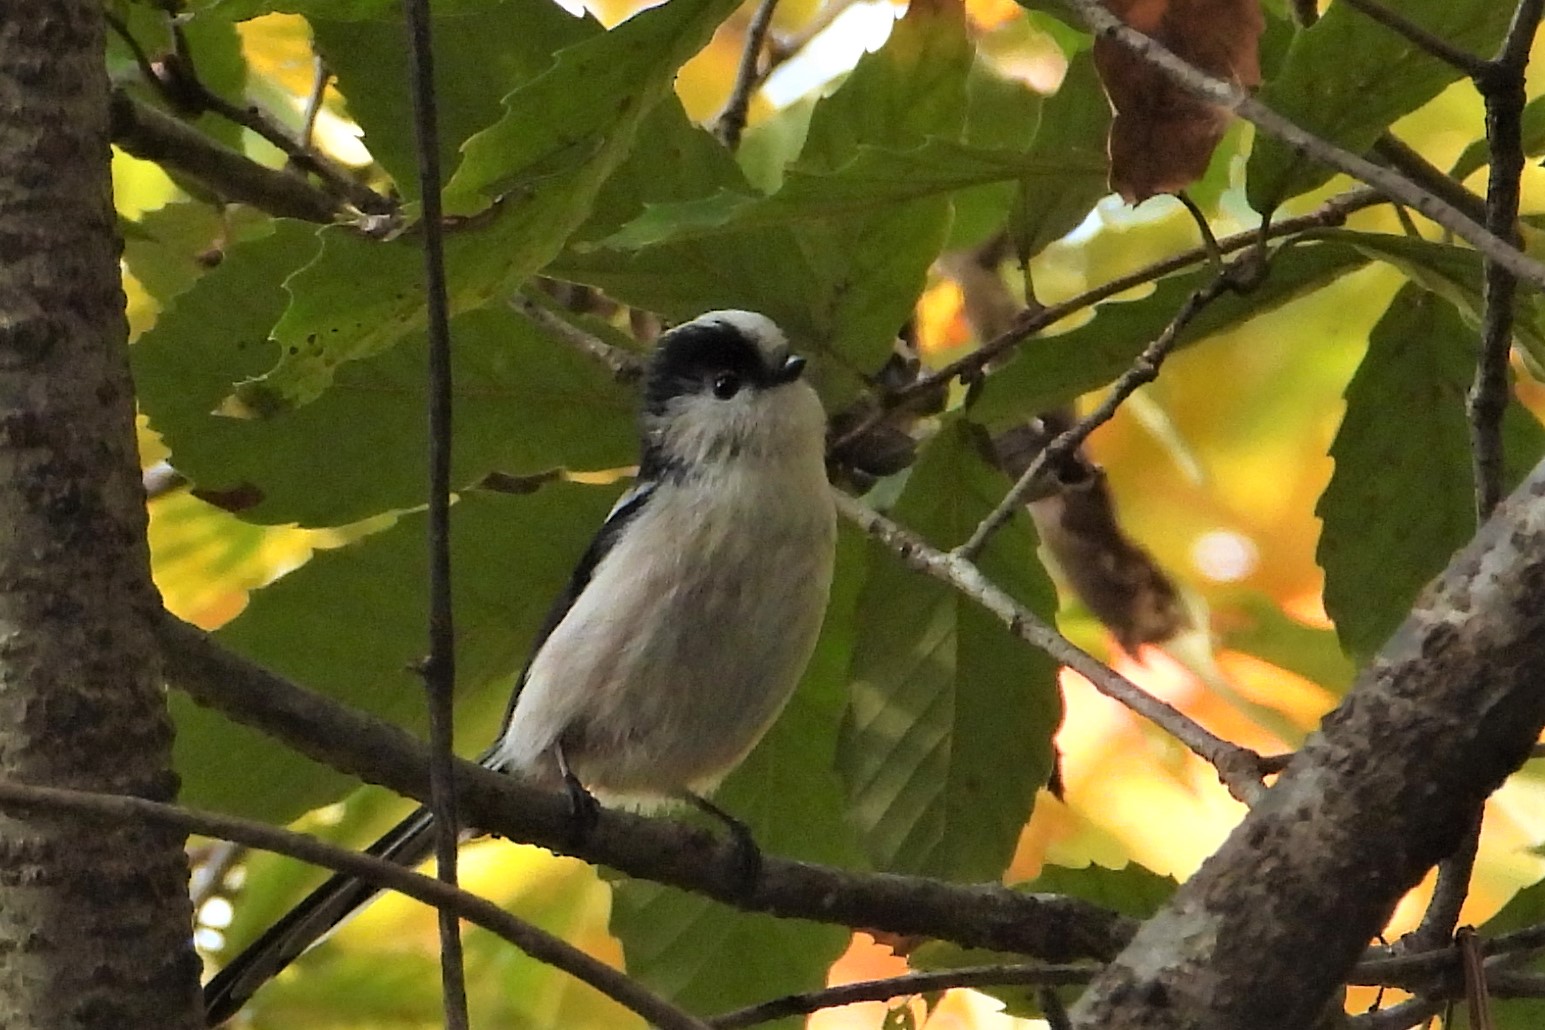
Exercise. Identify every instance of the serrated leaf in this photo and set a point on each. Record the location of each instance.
(1401, 500)
(164, 253)
(1350, 102)
(1054, 370)
(485, 53)
(711, 958)
(841, 280)
(523, 403)
(1457, 275)
(351, 624)
(560, 137)
(947, 733)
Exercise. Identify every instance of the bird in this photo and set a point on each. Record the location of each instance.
(683, 629)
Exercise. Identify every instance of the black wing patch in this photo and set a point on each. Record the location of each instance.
(628, 508)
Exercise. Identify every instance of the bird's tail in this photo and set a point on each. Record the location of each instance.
(407, 844)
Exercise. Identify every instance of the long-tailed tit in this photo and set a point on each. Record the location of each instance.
(685, 626)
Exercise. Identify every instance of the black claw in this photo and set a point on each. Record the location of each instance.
(747, 858)
(584, 809)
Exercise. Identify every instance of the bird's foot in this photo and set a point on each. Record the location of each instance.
(746, 857)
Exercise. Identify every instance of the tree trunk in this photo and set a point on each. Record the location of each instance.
(94, 918)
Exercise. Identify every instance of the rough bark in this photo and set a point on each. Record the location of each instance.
(94, 924)
(1270, 926)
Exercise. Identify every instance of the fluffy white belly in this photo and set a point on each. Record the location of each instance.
(685, 645)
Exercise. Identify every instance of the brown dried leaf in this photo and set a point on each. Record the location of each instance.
(1162, 136)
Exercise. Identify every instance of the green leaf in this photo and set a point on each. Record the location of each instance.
(523, 403)
(351, 624)
(165, 252)
(840, 277)
(1478, 155)
(1054, 370)
(1074, 124)
(1457, 275)
(485, 53)
(1401, 499)
(947, 734)
(560, 137)
(1349, 102)
(712, 958)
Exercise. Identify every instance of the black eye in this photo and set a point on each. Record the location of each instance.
(726, 385)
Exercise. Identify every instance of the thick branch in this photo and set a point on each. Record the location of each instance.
(1276, 919)
(1049, 927)
(538, 943)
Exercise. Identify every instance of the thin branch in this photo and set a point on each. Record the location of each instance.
(439, 669)
(1471, 64)
(732, 120)
(1502, 88)
(188, 91)
(538, 943)
(1045, 926)
(625, 366)
(144, 132)
(898, 986)
(1448, 894)
(1240, 101)
(1145, 369)
(1238, 767)
(1399, 156)
(1332, 213)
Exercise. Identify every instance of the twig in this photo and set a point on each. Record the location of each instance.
(1145, 369)
(439, 669)
(732, 120)
(1502, 88)
(535, 942)
(1239, 100)
(1048, 927)
(1238, 767)
(897, 986)
(186, 89)
(1471, 64)
(780, 51)
(1394, 151)
(1333, 212)
(145, 132)
(1448, 894)
(624, 366)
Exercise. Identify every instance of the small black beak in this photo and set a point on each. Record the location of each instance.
(793, 366)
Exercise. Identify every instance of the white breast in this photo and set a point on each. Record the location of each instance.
(692, 633)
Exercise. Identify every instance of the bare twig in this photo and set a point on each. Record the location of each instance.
(1145, 369)
(898, 986)
(188, 91)
(732, 120)
(439, 669)
(624, 366)
(1412, 1013)
(533, 941)
(1239, 100)
(1394, 152)
(1333, 212)
(1048, 927)
(1502, 88)
(145, 132)
(1471, 64)
(1238, 767)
